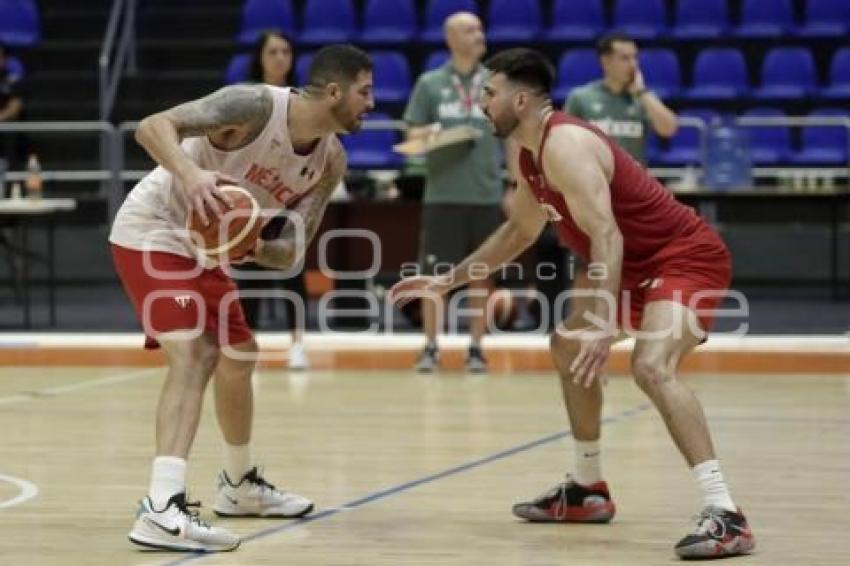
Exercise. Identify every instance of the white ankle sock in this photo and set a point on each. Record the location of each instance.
(168, 477)
(588, 468)
(713, 486)
(237, 461)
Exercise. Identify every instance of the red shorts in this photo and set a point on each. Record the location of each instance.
(697, 280)
(171, 292)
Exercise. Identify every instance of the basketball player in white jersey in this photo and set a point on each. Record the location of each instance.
(280, 145)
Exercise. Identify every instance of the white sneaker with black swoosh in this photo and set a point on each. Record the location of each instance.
(253, 496)
(177, 528)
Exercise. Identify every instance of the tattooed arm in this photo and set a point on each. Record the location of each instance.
(285, 251)
(234, 115)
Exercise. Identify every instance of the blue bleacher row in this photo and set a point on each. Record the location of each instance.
(395, 21)
(768, 145)
(787, 74)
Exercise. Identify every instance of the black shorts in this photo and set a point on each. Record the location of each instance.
(450, 232)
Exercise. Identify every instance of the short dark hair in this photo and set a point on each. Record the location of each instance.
(605, 44)
(257, 74)
(339, 63)
(524, 66)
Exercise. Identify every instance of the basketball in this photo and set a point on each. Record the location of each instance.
(234, 233)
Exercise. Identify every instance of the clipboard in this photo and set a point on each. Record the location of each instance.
(443, 138)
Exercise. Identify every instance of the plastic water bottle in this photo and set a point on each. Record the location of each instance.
(34, 182)
(727, 158)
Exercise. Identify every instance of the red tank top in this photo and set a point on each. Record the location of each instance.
(653, 223)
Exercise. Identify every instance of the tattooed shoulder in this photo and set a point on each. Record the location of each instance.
(246, 106)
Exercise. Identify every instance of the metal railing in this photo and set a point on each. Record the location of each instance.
(112, 174)
(122, 20)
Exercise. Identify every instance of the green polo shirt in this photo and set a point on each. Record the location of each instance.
(620, 116)
(466, 173)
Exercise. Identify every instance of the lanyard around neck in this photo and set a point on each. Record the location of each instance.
(468, 98)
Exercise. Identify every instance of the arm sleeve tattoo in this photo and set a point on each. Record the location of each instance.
(248, 106)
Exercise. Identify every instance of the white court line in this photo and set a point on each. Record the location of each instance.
(80, 385)
(717, 342)
(28, 491)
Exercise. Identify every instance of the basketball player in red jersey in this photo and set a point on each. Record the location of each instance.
(654, 267)
(280, 145)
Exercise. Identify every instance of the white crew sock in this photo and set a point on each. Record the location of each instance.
(237, 461)
(168, 478)
(713, 486)
(587, 462)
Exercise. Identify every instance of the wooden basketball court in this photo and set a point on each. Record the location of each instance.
(421, 470)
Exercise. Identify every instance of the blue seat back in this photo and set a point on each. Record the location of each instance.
(721, 66)
(238, 69)
(261, 15)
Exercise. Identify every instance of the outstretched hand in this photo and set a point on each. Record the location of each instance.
(418, 287)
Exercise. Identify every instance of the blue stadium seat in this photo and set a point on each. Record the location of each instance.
(576, 21)
(787, 73)
(826, 18)
(660, 68)
(436, 13)
(686, 145)
(238, 69)
(839, 75)
(327, 21)
(19, 23)
(436, 59)
(720, 74)
(769, 145)
(388, 21)
(577, 67)
(824, 145)
(513, 21)
(302, 68)
(392, 76)
(701, 19)
(765, 18)
(641, 19)
(260, 15)
(652, 149)
(372, 149)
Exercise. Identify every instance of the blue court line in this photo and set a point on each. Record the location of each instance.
(780, 419)
(395, 490)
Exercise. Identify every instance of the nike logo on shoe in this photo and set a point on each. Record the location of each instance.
(175, 532)
(231, 500)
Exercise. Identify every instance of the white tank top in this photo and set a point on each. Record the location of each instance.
(153, 216)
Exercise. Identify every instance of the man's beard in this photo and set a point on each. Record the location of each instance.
(347, 123)
(506, 128)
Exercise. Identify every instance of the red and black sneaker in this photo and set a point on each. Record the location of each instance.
(570, 502)
(719, 533)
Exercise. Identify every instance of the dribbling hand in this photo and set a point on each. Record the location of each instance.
(201, 192)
